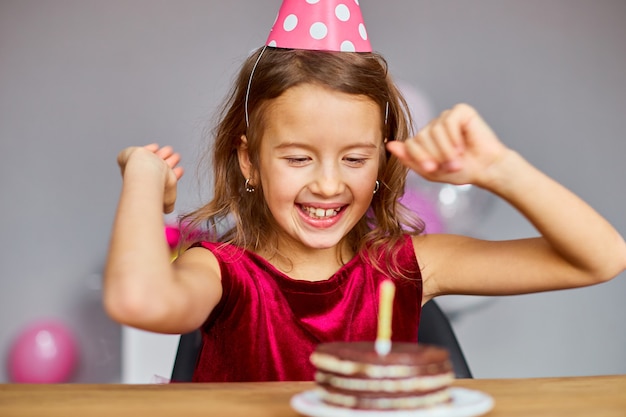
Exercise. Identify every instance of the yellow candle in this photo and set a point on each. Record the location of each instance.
(383, 339)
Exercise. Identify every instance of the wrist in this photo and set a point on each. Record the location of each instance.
(506, 173)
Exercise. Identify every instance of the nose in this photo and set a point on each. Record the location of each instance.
(328, 181)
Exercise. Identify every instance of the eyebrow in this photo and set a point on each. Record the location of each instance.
(286, 145)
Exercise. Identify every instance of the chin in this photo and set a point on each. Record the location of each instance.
(321, 243)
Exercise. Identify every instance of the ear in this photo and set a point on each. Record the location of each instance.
(244, 158)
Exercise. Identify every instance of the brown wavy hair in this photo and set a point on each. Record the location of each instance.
(243, 219)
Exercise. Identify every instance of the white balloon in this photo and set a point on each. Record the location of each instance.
(462, 208)
(420, 105)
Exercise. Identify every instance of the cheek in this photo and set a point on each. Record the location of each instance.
(363, 184)
(280, 187)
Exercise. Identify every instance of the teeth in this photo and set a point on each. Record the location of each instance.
(320, 212)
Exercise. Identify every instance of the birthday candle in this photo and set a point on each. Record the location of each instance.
(383, 339)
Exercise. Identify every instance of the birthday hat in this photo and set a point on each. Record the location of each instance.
(320, 25)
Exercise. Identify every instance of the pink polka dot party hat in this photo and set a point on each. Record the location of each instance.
(320, 25)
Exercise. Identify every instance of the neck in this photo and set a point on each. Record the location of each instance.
(311, 264)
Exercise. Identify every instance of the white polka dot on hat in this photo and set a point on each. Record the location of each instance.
(320, 25)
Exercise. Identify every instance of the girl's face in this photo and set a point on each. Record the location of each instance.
(319, 162)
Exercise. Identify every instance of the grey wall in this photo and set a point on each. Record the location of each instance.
(79, 80)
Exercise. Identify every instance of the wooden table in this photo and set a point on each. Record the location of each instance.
(601, 396)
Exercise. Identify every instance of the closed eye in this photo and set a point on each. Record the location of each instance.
(297, 160)
(356, 161)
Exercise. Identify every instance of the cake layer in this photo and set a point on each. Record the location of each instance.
(385, 402)
(414, 384)
(359, 358)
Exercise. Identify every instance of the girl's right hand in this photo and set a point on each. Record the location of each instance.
(161, 161)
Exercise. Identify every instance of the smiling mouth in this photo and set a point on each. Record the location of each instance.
(320, 213)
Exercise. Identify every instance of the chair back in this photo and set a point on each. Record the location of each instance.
(187, 354)
(435, 329)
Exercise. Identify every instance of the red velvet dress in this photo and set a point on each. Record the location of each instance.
(266, 324)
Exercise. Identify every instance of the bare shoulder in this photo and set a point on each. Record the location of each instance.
(198, 257)
(434, 248)
(198, 273)
(200, 265)
(431, 252)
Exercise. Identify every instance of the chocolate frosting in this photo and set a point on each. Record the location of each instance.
(411, 354)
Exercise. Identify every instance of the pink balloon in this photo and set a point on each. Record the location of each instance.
(172, 234)
(425, 209)
(44, 352)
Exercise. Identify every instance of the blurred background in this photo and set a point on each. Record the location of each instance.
(81, 79)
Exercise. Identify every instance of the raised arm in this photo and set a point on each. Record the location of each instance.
(576, 247)
(142, 288)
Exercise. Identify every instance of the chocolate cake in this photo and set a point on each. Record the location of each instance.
(410, 376)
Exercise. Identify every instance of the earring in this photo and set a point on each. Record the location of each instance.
(249, 188)
(376, 187)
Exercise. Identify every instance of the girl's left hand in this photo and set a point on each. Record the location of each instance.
(457, 147)
(166, 162)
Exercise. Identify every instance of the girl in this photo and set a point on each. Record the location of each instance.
(310, 159)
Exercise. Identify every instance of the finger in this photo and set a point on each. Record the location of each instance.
(398, 149)
(444, 142)
(453, 127)
(178, 172)
(462, 118)
(419, 154)
(169, 199)
(426, 139)
(173, 159)
(401, 151)
(165, 152)
(475, 128)
(448, 155)
(168, 208)
(153, 147)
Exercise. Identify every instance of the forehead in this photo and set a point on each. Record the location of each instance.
(314, 112)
